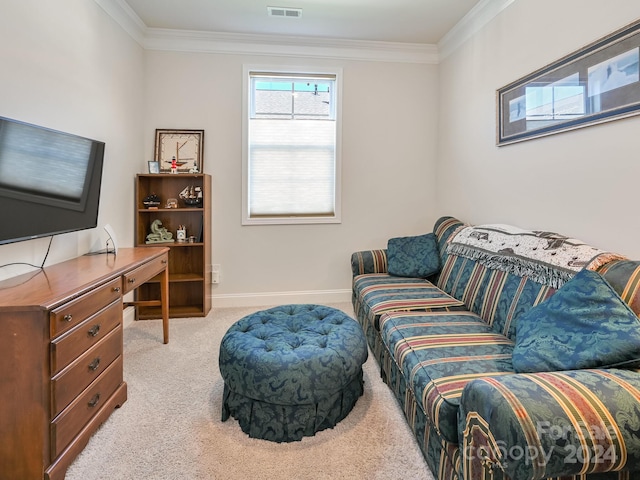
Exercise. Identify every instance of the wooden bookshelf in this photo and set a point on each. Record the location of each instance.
(189, 262)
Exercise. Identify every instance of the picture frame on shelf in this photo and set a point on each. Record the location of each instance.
(154, 167)
(595, 84)
(185, 146)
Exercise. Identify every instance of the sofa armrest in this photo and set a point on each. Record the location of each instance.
(369, 261)
(534, 426)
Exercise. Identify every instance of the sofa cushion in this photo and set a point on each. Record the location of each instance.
(499, 298)
(584, 325)
(415, 256)
(438, 353)
(377, 293)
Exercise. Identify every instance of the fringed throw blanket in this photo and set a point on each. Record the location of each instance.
(546, 257)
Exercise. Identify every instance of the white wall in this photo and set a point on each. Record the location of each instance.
(66, 65)
(388, 157)
(581, 183)
(69, 66)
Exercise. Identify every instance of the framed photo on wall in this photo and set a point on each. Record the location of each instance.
(185, 146)
(598, 83)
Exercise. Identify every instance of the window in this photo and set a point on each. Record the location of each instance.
(291, 168)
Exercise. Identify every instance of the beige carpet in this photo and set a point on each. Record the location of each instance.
(170, 426)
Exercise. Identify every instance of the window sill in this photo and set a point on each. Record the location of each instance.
(291, 220)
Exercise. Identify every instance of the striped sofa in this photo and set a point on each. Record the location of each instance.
(444, 345)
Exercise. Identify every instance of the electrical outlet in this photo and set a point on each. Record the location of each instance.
(215, 273)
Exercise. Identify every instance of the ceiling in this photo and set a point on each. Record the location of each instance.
(405, 21)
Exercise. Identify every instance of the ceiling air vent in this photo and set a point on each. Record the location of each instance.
(284, 12)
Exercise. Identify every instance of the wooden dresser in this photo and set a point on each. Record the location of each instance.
(61, 356)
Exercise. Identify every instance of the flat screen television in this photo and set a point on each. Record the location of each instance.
(49, 181)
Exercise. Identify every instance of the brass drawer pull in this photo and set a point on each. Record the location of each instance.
(94, 364)
(164, 261)
(132, 280)
(116, 289)
(94, 400)
(68, 317)
(93, 331)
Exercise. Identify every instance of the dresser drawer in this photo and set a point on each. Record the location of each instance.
(69, 423)
(72, 380)
(66, 348)
(140, 275)
(76, 311)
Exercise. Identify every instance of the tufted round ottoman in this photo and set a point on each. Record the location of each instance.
(291, 371)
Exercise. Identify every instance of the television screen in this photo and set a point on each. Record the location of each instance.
(49, 181)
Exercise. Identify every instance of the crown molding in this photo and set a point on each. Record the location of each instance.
(121, 12)
(288, 46)
(291, 46)
(272, 45)
(471, 23)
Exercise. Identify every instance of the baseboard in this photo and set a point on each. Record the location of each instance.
(262, 299)
(279, 298)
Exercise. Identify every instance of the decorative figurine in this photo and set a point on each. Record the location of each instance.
(181, 233)
(159, 234)
(191, 195)
(151, 201)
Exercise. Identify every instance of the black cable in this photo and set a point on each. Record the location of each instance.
(40, 267)
(34, 274)
(105, 251)
(20, 263)
(47, 254)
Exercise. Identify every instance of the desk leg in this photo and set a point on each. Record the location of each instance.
(164, 299)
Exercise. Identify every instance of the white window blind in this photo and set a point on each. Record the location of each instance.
(292, 168)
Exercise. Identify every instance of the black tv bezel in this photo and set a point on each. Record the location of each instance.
(78, 215)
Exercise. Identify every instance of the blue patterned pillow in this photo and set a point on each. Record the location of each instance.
(585, 324)
(413, 256)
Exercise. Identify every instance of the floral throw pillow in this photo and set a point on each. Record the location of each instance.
(415, 256)
(585, 324)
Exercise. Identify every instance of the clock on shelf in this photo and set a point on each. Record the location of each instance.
(183, 146)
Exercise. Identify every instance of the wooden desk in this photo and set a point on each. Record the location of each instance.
(61, 355)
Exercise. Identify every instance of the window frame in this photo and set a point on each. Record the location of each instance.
(246, 117)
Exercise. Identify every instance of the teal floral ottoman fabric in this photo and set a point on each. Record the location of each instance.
(291, 371)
